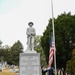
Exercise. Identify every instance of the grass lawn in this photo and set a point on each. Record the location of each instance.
(7, 73)
(10, 73)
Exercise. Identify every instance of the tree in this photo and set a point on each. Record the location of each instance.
(39, 49)
(5, 54)
(70, 68)
(1, 54)
(64, 38)
(16, 49)
(11, 54)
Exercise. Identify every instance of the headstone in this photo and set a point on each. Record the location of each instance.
(0, 67)
(29, 64)
(11, 68)
(5, 63)
(3, 66)
(17, 70)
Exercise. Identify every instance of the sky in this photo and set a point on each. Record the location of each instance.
(16, 14)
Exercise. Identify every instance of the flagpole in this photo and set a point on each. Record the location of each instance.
(53, 36)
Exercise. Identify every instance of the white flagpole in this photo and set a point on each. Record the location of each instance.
(53, 36)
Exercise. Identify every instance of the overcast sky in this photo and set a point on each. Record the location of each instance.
(15, 15)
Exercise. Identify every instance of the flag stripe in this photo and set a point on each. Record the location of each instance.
(51, 53)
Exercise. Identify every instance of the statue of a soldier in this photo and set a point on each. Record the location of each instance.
(30, 36)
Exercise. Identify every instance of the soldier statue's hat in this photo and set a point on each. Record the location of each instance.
(30, 23)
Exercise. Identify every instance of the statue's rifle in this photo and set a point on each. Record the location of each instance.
(30, 42)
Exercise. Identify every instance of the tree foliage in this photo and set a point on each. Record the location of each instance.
(11, 54)
(64, 38)
(70, 68)
(16, 49)
(39, 49)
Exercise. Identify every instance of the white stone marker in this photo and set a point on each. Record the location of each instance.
(29, 64)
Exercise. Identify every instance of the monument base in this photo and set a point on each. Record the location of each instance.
(29, 63)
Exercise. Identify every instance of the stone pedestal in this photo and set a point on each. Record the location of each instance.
(29, 63)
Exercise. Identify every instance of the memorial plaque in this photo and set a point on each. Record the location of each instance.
(29, 64)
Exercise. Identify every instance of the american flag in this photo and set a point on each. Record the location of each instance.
(51, 52)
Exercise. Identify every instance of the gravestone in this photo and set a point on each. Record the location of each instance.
(3, 66)
(12, 68)
(5, 63)
(0, 66)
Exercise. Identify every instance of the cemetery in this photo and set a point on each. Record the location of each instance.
(36, 59)
(15, 61)
(50, 50)
(6, 69)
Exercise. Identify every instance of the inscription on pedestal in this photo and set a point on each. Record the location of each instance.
(29, 64)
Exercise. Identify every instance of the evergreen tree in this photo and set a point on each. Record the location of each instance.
(39, 49)
(70, 68)
(64, 38)
(16, 49)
